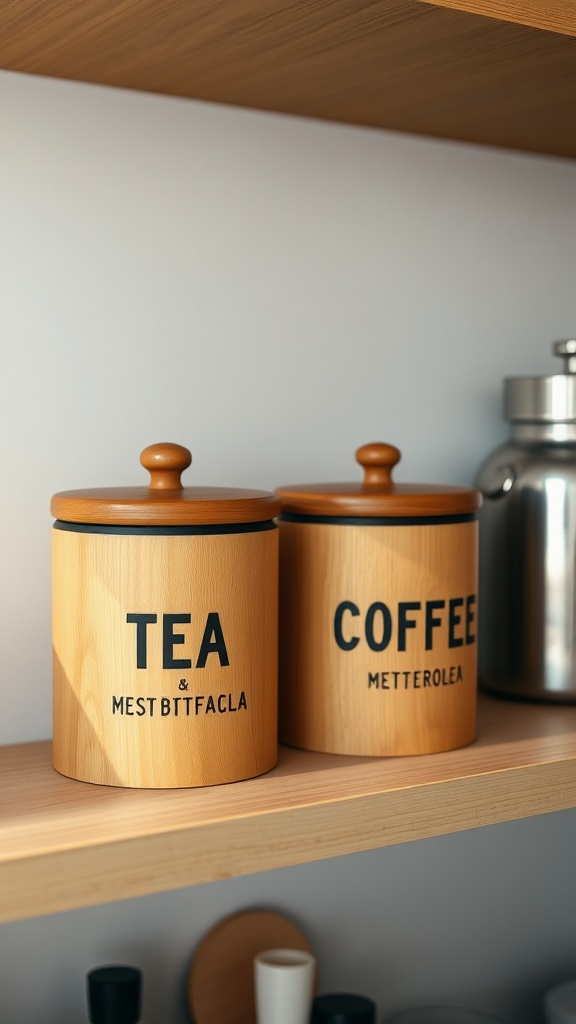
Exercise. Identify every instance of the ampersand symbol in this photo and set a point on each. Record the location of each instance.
(182, 685)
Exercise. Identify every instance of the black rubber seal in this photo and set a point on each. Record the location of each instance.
(465, 517)
(211, 529)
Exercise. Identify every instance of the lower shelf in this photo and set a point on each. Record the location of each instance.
(66, 844)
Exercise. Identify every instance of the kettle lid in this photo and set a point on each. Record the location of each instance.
(549, 399)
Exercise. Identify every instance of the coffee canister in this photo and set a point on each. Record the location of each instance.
(378, 613)
(165, 631)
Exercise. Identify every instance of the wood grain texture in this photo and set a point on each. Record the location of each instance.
(551, 16)
(377, 494)
(417, 694)
(165, 502)
(128, 710)
(396, 64)
(165, 462)
(142, 506)
(220, 984)
(67, 844)
(402, 500)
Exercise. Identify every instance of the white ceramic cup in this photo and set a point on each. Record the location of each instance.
(284, 986)
(560, 1003)
(443, 1015)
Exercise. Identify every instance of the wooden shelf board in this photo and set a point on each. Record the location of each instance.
(551, 16)
(491, 76)
(66, 844)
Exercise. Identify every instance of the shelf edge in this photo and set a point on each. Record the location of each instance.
(80, 877)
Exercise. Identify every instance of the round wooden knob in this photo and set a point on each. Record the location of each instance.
(378, 461)
(165, 463)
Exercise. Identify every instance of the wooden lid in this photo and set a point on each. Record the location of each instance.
(377, 495)
(165, 502)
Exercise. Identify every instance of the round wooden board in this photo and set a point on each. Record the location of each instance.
(220, 987)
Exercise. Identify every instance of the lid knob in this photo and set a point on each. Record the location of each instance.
(378, 461)
(165, 463)
(567, 351)
(114, 995)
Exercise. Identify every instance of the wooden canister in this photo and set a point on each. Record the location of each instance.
(378, 612)
(165, 631)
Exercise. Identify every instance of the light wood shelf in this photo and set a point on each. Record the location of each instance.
(66, 844)
(501, 72)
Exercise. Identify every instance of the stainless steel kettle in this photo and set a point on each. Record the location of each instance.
(527, 601)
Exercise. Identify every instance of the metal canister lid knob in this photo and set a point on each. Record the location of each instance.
(546, 399)
(567, 351)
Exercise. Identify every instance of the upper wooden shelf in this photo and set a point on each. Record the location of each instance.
(67, 844)
(501, 72)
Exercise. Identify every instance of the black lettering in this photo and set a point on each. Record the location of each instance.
(345, 645)
(374, 609)
(117, 705)
(242, 701)
(222, 702)
(454, 620)
(169, 639)
(140, 705)
(212, 646)
(141, 624)
(404, 622)
(373, 679)
(432, 621)
(164, 706)
(128, 705)
(470, 617)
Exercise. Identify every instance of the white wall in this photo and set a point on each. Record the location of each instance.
(271, 292)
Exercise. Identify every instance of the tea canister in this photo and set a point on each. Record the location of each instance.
(165, 631)
(378, 613)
